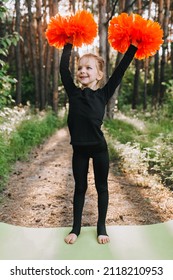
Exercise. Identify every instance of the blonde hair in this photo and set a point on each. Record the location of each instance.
(99, 64)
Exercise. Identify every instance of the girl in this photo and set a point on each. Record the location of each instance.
(86, 112)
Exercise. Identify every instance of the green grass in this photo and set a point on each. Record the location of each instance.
(156, 139)
(4, 160)
(122, 131)
(29, 134)
(125, 132)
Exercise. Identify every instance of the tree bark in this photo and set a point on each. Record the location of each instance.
(146, 68)
(136, 85)
(103, 43)
(111, 103)
(172, 59)
(103, 30)
(34, 54)
(48, 65)
(156, 87)
(137, 71)
(164, 47)
(125, 6)
(156, 81)
(41, 60)
(145, 84)
(18, 57)
(55, 67)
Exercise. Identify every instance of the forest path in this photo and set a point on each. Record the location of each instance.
(40, 192)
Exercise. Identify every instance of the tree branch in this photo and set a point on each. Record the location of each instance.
(113, 11)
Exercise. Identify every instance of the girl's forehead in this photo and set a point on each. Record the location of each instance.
(87, 61)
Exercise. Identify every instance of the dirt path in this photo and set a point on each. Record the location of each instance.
(40, 192)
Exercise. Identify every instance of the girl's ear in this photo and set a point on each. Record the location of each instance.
(100, 75)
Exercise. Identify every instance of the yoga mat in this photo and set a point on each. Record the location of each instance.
(148, 242)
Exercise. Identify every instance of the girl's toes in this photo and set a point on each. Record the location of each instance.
(103, 239)
(70, 238)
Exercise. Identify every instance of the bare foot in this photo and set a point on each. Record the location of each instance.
(103, 239)
(70, 238)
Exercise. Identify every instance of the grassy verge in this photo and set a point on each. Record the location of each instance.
(155, 144)
(122, 131)
(29, 134)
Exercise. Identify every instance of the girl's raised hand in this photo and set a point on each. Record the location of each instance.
(135, 42)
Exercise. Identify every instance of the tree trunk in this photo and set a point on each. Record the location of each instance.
(164, 47)
(125, 6)
(156, 81)
(48, 64)
(103, 30)
(156, 87)
(111, 107)
(55, 67)
(72, 65)
(103, 40)
(137, 71)
(34, 54)
(146, 64)
(145, 84)
(136, 85)
(172, 59)
(128, 6)
(41, 60)
(18, 56)
(111, 103)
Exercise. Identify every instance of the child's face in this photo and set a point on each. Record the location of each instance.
(88, 74)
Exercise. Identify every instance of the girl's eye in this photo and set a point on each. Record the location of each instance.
(89, 67)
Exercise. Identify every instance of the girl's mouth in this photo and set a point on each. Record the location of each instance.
(83, 77)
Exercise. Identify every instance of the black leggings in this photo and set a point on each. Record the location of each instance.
(80, 164)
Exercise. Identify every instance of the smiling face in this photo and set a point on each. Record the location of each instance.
(89, 74)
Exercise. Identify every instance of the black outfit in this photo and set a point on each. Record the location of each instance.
(86, 112)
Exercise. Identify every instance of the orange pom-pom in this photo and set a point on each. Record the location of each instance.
(124, 29)
(82, 28)
(149, 35)
(119, 32)
(56, 32)
(77, 29)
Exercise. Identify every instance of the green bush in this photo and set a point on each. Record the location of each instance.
(168, 98)
(6, 41)
(4, 160)
(160, 158)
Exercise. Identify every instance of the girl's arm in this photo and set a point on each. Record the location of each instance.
(66, 77)
(118, 73)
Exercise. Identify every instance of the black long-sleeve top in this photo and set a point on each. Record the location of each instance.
(87, 106)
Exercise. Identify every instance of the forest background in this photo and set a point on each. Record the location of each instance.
(30, 83)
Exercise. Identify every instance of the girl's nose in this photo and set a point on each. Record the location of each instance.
(82, 70)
